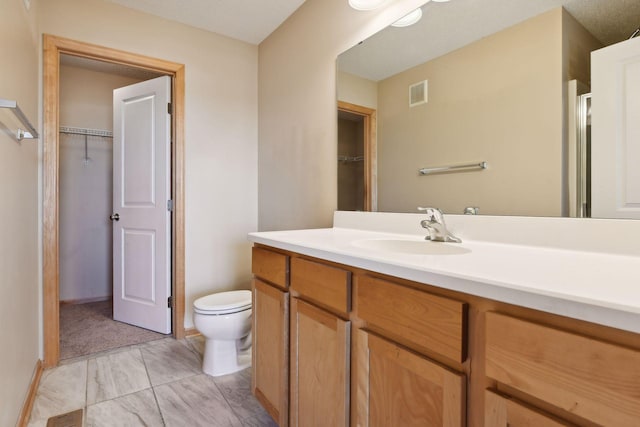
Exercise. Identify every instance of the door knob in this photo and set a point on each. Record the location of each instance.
(114, 217)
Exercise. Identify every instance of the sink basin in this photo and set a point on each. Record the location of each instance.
(416, 247)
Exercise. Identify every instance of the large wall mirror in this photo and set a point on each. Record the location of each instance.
(483, 104)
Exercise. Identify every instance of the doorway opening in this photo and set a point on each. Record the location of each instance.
(55, 50)
(356, 158)
(89, 322)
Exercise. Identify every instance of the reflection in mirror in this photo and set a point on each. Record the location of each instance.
(499, 82)
(356, 136)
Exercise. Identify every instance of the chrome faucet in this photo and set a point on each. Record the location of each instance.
(471, 210)
(436, 227)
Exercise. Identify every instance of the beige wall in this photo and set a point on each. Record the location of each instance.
(497, 100)
(297, 109)
(357, 90)
(507, 188)
(86, 96)
(19, 315)
(221, 129)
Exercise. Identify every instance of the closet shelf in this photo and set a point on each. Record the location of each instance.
(350, 158)
(84, 131)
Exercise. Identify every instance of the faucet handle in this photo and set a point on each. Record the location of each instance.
(435, 226)
(471, 210)
(435, 214)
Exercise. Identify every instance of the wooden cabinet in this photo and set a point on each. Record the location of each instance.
(320, 344)
(502, 411)
(270, 333)
(319, 373)
(270, 336)
(401, 388)
(428, 321)
(322, 284)
(398, 386)
(581, 376)
(272, 267)
(364, 349)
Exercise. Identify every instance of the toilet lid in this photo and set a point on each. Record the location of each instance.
(224, 301)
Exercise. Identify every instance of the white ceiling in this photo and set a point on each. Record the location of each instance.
(448, 26)
(443, 28)
(247, 20)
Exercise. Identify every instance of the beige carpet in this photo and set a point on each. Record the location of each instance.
(90, 328)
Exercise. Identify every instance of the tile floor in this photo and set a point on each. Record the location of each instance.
(159, 383)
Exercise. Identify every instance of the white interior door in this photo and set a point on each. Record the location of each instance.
(615, 131)
(141, 191)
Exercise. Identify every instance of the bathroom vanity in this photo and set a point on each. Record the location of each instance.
(356, 326)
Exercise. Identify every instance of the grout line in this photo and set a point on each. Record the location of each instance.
(146, 369)
(153, 389)
(125, 394)
(86, 396)
(193, 349)
(155, 398)
(224, 396)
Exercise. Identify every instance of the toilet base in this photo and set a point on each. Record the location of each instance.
(223, 357)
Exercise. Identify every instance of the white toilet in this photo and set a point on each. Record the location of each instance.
(224, 320)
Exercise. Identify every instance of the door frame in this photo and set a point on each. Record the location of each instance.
(53, 46)
(370, 151)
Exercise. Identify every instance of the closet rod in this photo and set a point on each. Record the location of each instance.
(84, 131)
(350, 158)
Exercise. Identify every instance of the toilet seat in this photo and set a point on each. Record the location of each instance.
(223, 303)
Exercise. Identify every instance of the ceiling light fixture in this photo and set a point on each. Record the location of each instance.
(366, 4)
(409, 19)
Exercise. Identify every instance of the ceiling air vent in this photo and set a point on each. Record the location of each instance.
(418, 93)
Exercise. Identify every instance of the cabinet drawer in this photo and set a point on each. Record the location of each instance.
(592, 379)
(430, 321)
(323, 284)
(500, 411)
(270, 266)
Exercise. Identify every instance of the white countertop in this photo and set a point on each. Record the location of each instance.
(602, 288)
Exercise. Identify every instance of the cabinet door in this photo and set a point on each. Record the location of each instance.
(319, 367)
(397, 387)
(404, 389)
(500, 411)
(270, 335)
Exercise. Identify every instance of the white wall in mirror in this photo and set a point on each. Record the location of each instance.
(616, 131)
